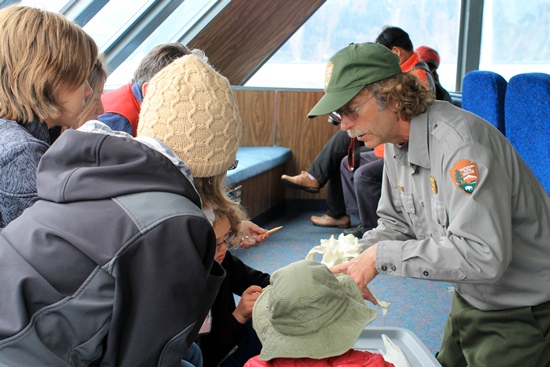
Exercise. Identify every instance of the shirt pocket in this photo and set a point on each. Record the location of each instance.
(440, 216)
(403, 201)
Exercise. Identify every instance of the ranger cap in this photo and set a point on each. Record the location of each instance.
(350, 70)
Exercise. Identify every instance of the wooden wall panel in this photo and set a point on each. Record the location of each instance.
(263, 192)
(247, 32)
(284, 113)
(303, 136)
(257, 109)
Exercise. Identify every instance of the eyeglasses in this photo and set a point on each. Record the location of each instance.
(350, 113)
(227, 241)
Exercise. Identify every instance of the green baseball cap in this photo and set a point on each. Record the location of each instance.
(350, 70)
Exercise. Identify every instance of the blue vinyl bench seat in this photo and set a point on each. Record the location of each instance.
(256, 160)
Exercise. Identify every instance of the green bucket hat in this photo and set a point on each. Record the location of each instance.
(306, 312)
(350, 70)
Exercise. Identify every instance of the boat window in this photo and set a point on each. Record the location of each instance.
(514, 37)
(174, 29)
(51, 5)
(301, 61)
(113, 19)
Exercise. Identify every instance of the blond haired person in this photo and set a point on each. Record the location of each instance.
(45, 60)
(190, 138)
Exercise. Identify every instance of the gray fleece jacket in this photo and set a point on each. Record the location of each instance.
(112, 266)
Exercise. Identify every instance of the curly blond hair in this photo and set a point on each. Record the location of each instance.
(403, 94)
(235, 214)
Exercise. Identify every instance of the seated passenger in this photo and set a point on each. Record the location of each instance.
(43, 88)
(362, 188)
(122, 106)
(399, 42)
(431, 57)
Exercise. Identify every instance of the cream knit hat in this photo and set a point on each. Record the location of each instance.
(190, 108)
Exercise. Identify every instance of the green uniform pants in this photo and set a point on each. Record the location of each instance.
(514, 337)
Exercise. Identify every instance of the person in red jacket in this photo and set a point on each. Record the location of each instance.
(399, 42)
(431, 57)
(309, 317)
(122, 105)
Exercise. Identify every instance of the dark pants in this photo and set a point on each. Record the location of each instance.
(326, 168)
(362, 188)
(514, 337)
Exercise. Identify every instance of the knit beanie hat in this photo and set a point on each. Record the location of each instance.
(190, 108)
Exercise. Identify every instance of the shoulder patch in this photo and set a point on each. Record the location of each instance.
(465, 176)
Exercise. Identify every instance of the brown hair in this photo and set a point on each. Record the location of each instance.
(213, 193)
(159, 57)
(96, 79)
(41, 53)
(403, 94)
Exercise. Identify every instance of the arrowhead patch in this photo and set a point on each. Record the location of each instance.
(465, 176)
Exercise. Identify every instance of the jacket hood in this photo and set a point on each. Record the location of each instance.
(89, 166)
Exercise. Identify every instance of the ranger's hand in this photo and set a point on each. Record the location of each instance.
(362, 269)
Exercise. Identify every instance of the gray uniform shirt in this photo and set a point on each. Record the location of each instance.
(459, 205)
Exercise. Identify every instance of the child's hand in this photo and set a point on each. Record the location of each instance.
(244, 309)
(250, 234)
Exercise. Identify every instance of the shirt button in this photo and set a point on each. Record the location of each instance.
(393, 268)
(384, 268)
(438, 221)
(422, 204)
(431, 235)
(425, 273)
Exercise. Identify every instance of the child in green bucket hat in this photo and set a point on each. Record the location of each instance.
(309, 316)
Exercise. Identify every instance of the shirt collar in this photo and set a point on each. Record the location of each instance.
(417, 150)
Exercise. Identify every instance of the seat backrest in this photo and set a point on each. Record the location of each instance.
(527, 111)
(483, 93)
